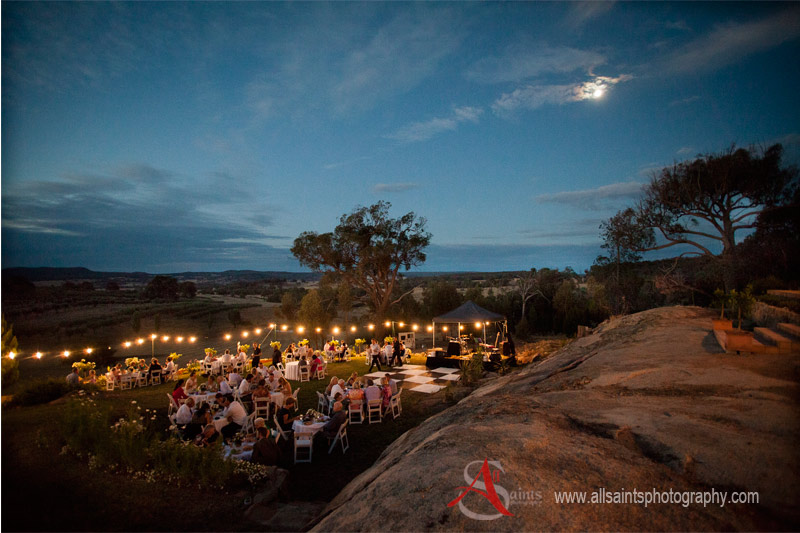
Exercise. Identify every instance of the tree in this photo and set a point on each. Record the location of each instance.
(9, 373)
(528, 286)
(440, 297)
(344, 299)
(367, 249)
(708, 200)
(312, 312)
(162, 288)
(235, 317)
(112, 285)
(187, 289)
(623, 236)
(288, 308)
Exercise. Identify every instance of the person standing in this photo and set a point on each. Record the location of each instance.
(397, 353)
(375, 354)
(256, 356)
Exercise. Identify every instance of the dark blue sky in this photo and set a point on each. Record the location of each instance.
(172, 136)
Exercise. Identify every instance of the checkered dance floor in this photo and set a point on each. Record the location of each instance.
(418, 378)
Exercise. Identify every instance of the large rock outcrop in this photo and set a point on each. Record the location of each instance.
(646, 402)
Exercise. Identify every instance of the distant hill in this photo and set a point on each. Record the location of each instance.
(42, 274)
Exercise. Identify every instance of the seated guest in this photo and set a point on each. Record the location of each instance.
(73, 379)
(356, 394)
(372, 392)
(209, 433)
(276, 371)
(169, 369)
(209, 358)
(339, 397)
(352, 380)
(285, 387)
(91, 378)
(234, 378)
(197, 422)
(154, 366)
(285, 418)
(315, 363)
(272, 383)
(339, 387)
(265, 451)
(261, 370)
(234, 414)
(191, 383)
(244, 388)
(276, 355)
(184, 415)
(303, 361)
(387, 380)
(261, 390)
(179, 393)
(223, 386)
(334, 381)
(211, 384)
(386, 394)
(331, 427)
(226, 358)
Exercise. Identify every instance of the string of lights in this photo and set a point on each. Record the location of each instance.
(242, 335)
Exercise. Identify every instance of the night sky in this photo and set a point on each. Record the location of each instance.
(169, 137)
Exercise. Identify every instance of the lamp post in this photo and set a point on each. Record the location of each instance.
(153, 345)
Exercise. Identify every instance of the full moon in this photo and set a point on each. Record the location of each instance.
(598, 93)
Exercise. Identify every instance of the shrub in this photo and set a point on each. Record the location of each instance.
(41, 391)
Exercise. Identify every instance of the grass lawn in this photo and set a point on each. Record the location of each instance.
(43, 490)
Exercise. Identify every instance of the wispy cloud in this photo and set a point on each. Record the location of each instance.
(581, 13)
(594, 199)
(422, 131)
(685, 150)
(328, 66)
(394, 187)
(535, 96)
(729, 43)
(685, 101)
(523, 61)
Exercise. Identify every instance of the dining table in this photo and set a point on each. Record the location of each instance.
(293, 371)
(298, 426)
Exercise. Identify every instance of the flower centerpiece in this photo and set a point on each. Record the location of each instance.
(334, 343)
(194, 365)
(277, 345)
(304, 342)
(211, 351)
(244, 348)
(389, 339)
(83, 366)
(174, 356)
(132, 362)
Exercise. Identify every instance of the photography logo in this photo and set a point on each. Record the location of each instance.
(485, 484)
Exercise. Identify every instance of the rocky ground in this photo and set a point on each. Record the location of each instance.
(648, 401)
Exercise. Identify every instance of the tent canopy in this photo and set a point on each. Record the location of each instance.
(469, 312)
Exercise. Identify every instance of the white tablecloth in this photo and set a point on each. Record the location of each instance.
(293, 371)
(300, 427)
(200, 398)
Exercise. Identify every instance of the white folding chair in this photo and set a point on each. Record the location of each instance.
(248, 424)
(261, 407)
(304, 373)
(296, 400)
(280, 367)
(303, 441)
(322, 402)
(141, 379)
(173, 405)
(155, 377)
(109, 382)
(341, 436)
(374, 411)
(126, 382)
(354, 412)
(394, 404)
(281, 432)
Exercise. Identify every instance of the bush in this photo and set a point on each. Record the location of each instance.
(10, 371)
(40, 391)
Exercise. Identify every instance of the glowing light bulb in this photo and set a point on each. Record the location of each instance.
(127, 344)
(89, 350)
(38, 355)
(300, 329)
(165, 338)
(258, 331)
(284, 327)
(192, 339)
(353, 329)
(66, 353)
(227, 336)
(179, 339)
(336, 331)
(139, 341)
(11, 355)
